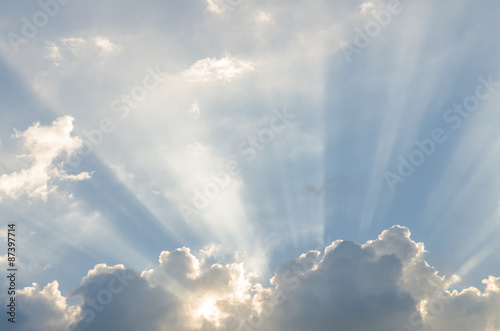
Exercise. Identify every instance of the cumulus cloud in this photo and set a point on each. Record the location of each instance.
(224, 69)
(469, 309)
(115, 298)
(384, 284)
(44, 309)
(45, 148)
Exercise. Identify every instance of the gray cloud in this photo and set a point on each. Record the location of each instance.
(384, 284)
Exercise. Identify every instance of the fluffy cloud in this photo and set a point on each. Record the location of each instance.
(45, 146)
(224, 69)
(384, 284)
(44, 309)
(105, 44)
(116, 298)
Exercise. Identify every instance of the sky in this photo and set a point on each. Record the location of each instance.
(250, 165)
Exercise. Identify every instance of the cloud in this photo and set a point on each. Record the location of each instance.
(384, 284)
(297, 66)
(105, 44)
(119, 292)
(54, 53)
(263, 17)
(3, 239)
(121, 172)
(44, 309)
(220, 7)
(366, 6)
(194, 111)
(64, 51)
(214, 7)
(59, 51)
(224, 69)
(45, 146)
(469, 309)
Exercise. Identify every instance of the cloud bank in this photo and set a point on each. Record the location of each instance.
(384, 284)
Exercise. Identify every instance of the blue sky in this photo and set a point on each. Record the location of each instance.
(231, 138)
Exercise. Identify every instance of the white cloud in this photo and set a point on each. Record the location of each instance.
(54, 53)
(224, 69)
(214, 7)
(45, 146)
(63, 51)
(291, 70)
(469, 309)
(220, 7)
(366, 6)
(75, 45)
(384, 284)
(44, 309)
(194, 112)
(121, 172)
(105, 44)
(263, 17)
(3, 241)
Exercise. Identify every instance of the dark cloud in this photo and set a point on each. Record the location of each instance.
(384, 284)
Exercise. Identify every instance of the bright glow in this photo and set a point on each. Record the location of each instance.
(263, 17)
(365, 7)
(209, 310)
